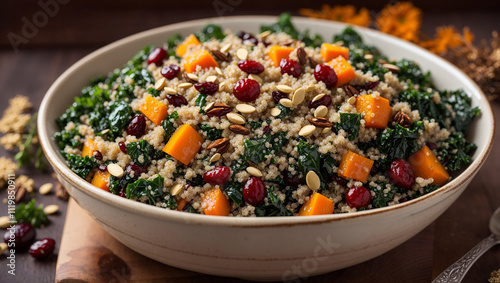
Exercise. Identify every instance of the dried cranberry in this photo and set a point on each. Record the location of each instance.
(246, 90)
(371, 85)
(42, 248)
(217, 176)
(358, 197)
(401, 174)
(291, 180)
(122, 193)
(339, 180)
(248, 37)
(291, 67)
(97, 154)
(267, 129)
(254, 191)
(176, 100)
(403, 200)
(325, 74)
(102, 168)
(207, 87)
(278, 95)
(137, 126)
(22, 235)
(251, 67)
(431, 145)
(157, 55)
(134, 170)
(325, 100)
(123, 147)
(170, 72)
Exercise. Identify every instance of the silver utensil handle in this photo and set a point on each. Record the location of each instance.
(456, 272)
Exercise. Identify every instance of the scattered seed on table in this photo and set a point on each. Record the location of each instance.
(45, 188)
(4, 222)
(51, 209)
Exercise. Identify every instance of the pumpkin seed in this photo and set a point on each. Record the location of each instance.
(298, 96)
(215, 157)
(256, 78)
(321, 111)
(325, 130)
(307, 130)
(310, 88)
(209, 106)
(245, 108)
(160, 84)
(242, 54)
(317, 97)
(284, 88)
(369, 57)
(219, 71)
(170, 90)
(176, 189)
(265, 34)
(222, 86)
(3, 248)
(392, 68)
(103, 132)
(225, 48)
(115, 170)
(235, 118)
(313, 181)
(275, 111)
(352, 100)
(185, 85)
(339, 43)
(4, 222)
(51, 209)
(211, 79)
(254, 171)
(45, 188)
(193, 77)
(286, 102)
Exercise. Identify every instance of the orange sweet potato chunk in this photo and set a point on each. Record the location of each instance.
(88, 147)
(154, 110)
(345, 72)
(318, 204)
(181, 204)
(184, 144)
(277, 53)
(376, 110)
(100, 180)
(355, 166)
(189, 40)
(426, 165)
(199, 58)
(215, 203)
(329, 51)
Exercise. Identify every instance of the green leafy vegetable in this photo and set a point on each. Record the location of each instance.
(118, 118)
(422, 101)
(64, 138)
(256, 150)
(285, 111)
(23, 157)
(168, 124)
(210, 31)
(457, 154)
(154, 92)
(171, 203)
(409, 70)
(285, 25)
(29, 213)
(234, 191)
(153, 189)
(200, 101)
(350, 122)
(311, 160)
(142, 152)
(274, 207)
(172, 43)
(80, 165)
(211, 132)
(141, 56)
(381, 199)
(400, 142)
(462, 105)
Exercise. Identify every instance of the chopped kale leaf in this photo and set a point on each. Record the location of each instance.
(71, 138)
(153, 189)
(462, 105)
(350, 122)
(172, 43)
(168, 124)
(400, 142)
(210, 132)
(256, 149)
(458, 153)
(80, 165)
(142, 152)
(210, 31)
(274, 207)
(234, 191)
(409, 70)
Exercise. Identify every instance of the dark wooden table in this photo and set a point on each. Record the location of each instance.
(38, 63)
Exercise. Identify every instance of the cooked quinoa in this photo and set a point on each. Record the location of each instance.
(294, 153)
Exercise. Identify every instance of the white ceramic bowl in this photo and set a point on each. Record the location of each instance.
(258, 248)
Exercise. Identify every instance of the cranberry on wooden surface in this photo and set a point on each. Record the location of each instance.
(170, 72)
(325, 74)
(137, 126)
(217, 176)
(208, 88)
(291, 67)
(401, 174)
(358, 197)
(325, 100)
(251, 67)
(23, 235)
(157, 55)
(123, 147)
(42, 248)
(278, 95)
(176, 100)
(254, 191)
(246, 90)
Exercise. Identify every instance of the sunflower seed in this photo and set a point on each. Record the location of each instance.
(392, 68)
(339, 43)
(242, 54)
(352, 100)
(193, 77)
(298, 96)
(225, 48)
(211, 79)
(219, 71)
(4, 222)
(265, 34)
(275, 111)
(286, 102)
(321, 111)
(313, 181)
(45, 188)
(310, 88)
(256, 78)
(239, 130)
(369, 57)
(209, 106)
(222, 86)
(218, 143)
(235, 118)
(160, 84)
(176, 189)
(170, 90)
(215, 158)
(185, 85)
(103, 132)
(307, 130)
(115, 170)
(318, 97)
(51, 209)
(325, 130)
(245, 108)
(284, 88)
(254, 171)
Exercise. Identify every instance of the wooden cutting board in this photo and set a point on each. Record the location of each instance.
(89, 254)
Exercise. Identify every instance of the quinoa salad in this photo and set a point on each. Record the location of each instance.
(277, 123)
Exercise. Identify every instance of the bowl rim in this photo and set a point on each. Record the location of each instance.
(62, 169)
